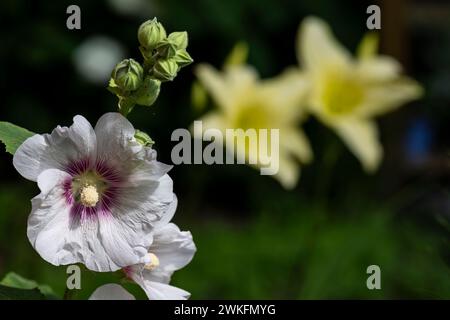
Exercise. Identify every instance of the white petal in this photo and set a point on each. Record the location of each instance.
(161, 291)
(55, 150)
(174, 248)
(115, 138)
(48, 223)
(361, 136)
(168, 215)
(123, 243)
(142, 206)
(102, 243)
(111, 291)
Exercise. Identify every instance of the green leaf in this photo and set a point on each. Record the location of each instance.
(9, 293)
(13, 136)
(13, 280)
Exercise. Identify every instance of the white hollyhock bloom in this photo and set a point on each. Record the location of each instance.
(101, 193)
(111, 291)
(171, 250)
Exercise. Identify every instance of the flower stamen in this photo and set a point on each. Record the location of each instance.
(89, 196)
(153, 263)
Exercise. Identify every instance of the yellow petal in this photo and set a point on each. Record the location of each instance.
(215, 83)
(294, 141)
(288, 172)
(214, 120)
(286, 93)
(361, 137)
(317, 47)
(378, 69)
(387, 97)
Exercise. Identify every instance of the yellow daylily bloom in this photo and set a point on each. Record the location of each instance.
(348, 92)
(246, 102)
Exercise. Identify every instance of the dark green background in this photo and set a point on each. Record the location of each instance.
(255, 240)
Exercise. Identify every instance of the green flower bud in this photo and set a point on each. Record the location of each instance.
(165, 69)
(151, 33)
(148, 92)
(166, 49)
(128, 75)
(143, 138)
(180, 39)
(183, 58)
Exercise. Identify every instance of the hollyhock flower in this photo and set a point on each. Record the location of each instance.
(347, 93)
(101, 193)
(246, 102)
(111, 291)
(171, 250)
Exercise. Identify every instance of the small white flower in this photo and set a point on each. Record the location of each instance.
(171, 250)
(111, 291)
(102, 193)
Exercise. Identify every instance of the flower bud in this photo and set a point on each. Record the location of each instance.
(151, 33)
(147, 94)
(143, 138)
(165, 69)
(179, 39)
(128, 75)
(183, 58)
(166, 49)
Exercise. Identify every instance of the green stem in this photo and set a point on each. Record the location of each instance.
(328, 164)
(68, 294)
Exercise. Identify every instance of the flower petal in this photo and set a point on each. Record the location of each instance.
(111, 291)
(115, 138)
(214, 82)
(317, 46)
(174, 248)
(288, 171)
(378, 69)
(55, 150)
(228, 88)
(361, 136)
(161, 291)
(286, 94)
(106, 241)
(295, 141)
(386, 97)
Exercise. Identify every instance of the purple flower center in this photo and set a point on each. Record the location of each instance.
(93, 188)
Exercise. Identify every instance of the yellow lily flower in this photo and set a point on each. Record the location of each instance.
(347, 92)
(246, 102)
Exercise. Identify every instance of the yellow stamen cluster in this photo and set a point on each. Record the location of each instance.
(89, 196)
(154, 262)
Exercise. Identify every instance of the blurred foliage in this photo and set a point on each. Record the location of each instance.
(291, 249)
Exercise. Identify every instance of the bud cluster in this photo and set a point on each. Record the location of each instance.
(164, 56)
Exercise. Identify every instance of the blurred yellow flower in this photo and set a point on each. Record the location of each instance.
(346, 92)
(246, 102)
